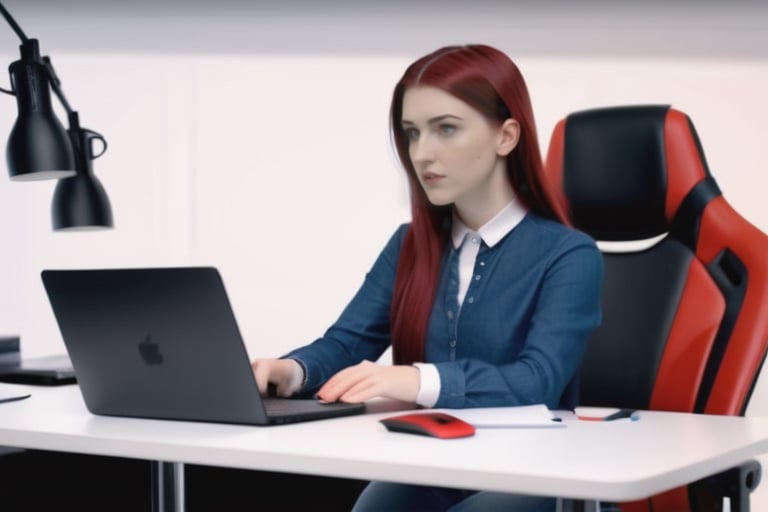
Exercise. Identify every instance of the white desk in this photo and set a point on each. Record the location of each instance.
(615, 461)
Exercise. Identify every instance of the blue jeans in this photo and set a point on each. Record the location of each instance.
(391, 497)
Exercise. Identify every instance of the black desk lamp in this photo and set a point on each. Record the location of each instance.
(40, 148)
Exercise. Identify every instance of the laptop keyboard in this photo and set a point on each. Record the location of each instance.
(284, 406)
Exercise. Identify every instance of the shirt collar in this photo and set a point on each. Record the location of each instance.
(495, 229)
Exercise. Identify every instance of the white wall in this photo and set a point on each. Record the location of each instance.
(240, 132)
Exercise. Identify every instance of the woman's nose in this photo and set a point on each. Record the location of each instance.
(422, 150)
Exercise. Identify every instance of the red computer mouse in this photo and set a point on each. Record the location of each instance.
(435, 424)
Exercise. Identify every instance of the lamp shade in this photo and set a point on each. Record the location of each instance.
(38, 145)
(81, 203)
(38, 148)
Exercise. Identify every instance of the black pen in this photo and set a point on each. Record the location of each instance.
(618, 415)
(622, 413)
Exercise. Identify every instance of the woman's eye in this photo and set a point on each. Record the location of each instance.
(411, 133)
(447, 129)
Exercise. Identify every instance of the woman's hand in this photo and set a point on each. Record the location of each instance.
(285, 374)
(369, 380)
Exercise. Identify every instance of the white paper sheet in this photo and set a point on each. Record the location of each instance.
(525, 416)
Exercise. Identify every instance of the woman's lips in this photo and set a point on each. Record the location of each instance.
(431, 177)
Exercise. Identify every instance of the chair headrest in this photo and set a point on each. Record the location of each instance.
(623, 172)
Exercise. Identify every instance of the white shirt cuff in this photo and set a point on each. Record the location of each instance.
(298, 376)
(429, 391)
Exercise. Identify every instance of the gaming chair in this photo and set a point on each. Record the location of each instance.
(685, 295)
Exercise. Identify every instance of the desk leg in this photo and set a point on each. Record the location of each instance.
(569, 505)
(167, 486)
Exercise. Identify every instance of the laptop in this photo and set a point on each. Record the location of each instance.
(164, 343)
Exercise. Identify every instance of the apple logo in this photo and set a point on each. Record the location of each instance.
(150, 351)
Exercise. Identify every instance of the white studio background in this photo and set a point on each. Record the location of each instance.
(289, 183)
(260, 144)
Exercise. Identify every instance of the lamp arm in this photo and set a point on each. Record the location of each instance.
(56, 84)
(54, 80)
(15, 26)
(80, 136)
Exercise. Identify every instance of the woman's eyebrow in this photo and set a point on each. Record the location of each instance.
(436, 119)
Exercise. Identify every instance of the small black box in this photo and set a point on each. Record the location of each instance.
(9, 351)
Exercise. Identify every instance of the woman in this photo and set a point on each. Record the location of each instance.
(486, 297)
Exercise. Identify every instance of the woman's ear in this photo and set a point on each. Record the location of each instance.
(509, 135)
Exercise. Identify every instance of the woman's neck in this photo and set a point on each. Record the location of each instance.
(477, 214)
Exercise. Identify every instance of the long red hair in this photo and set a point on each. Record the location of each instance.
(487, 80)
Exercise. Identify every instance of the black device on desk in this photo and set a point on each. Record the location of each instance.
(45, 370)
(164, 343)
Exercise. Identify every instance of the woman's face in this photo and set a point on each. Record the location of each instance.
(457, 153)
